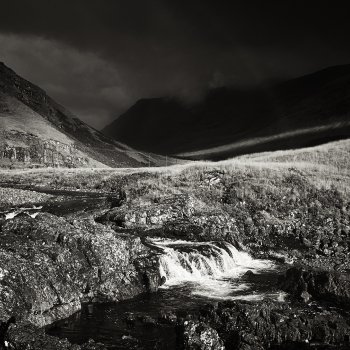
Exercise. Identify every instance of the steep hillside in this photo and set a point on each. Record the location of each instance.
(306, 111)
(37, 131)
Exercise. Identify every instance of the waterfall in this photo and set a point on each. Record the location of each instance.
(204, 261)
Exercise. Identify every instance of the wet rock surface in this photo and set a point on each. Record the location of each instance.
(173, 217)
(326, 286)
(48, 266)
(262, 325)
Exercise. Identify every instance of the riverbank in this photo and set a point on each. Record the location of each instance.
(13, 196)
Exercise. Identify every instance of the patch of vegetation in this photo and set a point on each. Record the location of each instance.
(248, 189)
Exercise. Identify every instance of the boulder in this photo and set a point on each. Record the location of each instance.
(327, 286)
(48, 266)
(262, 325)
(167, 317)
(148, 321)
(198, 335)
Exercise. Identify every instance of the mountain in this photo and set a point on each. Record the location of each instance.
(36, 131)
(306, 111)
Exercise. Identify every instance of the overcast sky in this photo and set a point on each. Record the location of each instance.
(99, 57)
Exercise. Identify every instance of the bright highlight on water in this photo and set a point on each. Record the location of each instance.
(210, 269)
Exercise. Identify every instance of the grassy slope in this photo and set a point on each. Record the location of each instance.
(325, 166)
(16, 117)
(283, 140)
(19, 117)
(25, 108)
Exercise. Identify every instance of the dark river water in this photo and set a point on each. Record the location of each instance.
(197, 274)
(74, 201)
(106, 323)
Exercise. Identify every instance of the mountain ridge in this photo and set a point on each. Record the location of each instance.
(229, 115)
(36, 130)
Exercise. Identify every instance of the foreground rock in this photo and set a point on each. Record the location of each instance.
(262, 325)
(326, 286)
(177, 216)
(25, 336)
(48, 266)
(200, 336)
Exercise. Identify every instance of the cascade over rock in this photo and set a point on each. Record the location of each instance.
(184, 260)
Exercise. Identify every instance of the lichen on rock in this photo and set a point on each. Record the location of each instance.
(49, 266)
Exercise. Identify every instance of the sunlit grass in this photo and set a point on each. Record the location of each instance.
(326, 166)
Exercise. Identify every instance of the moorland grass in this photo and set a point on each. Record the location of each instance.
(324, 167)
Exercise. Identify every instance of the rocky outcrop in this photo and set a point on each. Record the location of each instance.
(36, 151)
(326, 286)
(169, 209)
(200, 336)
(48, 266)
(37, 130)
(261, 325)
(177, 216)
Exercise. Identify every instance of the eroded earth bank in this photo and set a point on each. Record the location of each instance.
(59, 253)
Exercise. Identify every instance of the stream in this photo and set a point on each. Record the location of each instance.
(72, 201)
(196, 274)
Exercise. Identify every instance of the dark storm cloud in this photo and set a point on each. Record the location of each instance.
(83, 82)
(99, 57)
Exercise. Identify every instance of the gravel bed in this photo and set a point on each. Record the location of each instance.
(14, 196)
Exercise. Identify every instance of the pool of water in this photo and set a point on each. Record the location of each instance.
(197, 274)
(107, 323)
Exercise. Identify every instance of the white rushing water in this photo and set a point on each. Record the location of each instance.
(33, 212)
(211, 269)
